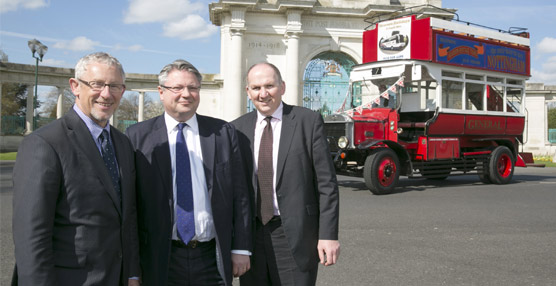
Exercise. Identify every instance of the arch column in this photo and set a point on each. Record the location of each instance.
(237, 98)
(293, 30)
(60, 104)
(141, 109)
(30, 111)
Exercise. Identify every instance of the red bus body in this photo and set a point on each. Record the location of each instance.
(440, 99)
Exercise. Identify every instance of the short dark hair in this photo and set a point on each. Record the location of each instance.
(180, 65)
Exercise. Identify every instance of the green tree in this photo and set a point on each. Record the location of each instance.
(551, 118)
(50, 104)
(14, 99)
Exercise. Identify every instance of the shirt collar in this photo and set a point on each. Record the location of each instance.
(276, 115)
(171, 123)
(93, 127)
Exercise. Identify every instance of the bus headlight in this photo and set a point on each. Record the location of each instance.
(343, 142)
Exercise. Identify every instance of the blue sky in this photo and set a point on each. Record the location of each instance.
(147, 34)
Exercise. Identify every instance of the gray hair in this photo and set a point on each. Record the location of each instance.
(180, 65)
(98, 57)
(276, 72)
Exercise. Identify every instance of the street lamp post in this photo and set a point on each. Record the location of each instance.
(36, 47)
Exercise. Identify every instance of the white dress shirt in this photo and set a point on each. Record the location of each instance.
(204, 223)
(276, 123)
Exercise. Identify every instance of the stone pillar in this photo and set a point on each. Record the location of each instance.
(30, 110)
(60, 105)
(141, 110)
(113, 120)
(1, 84)
(236, 99)
(292, 77)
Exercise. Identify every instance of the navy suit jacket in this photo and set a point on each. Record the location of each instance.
(224, 173)
(69, 226)
(306, 186)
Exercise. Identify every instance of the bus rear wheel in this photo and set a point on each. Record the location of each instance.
(381, 171)
(501, 165)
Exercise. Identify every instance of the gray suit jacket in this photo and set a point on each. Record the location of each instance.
(306, 186)
(225, 183)
(69, 227)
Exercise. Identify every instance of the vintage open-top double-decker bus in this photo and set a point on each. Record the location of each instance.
(435, 98)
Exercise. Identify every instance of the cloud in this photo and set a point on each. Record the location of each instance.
(546, 75)
(192, 27)
(163, 11)
(547, 45)
(135, 48)
(77, 44)
(13, 5)
(55, 63)
(179, 18)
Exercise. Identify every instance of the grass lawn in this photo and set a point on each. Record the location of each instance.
(546, 163)
(8, 156)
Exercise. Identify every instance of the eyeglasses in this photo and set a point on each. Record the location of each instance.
(99, 86)
(179, 89)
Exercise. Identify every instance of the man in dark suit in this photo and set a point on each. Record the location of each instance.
(194, 215)
(74, 220)
(293, 185)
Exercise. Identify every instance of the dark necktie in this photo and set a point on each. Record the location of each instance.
(185, 222)
(109, 158)
(265, 175)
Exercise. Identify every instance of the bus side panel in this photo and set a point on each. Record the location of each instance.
(421, 40)
(515, 125)
(370, 44)
(485, 125)
(446, 124)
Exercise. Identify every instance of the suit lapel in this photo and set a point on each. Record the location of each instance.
(286, 136)
(161, 155)
(208, 148)
(78, 132)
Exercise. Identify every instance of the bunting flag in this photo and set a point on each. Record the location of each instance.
(376, 100)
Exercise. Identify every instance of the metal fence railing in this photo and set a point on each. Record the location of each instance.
(552, 135)
(124, 124)
(15, 125)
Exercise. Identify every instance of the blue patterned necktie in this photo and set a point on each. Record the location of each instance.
(109, 158)
(185, 222)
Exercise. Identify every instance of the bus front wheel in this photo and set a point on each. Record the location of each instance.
(381, 171)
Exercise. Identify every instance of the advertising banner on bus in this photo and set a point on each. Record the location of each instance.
(393, 39)
(473, 53)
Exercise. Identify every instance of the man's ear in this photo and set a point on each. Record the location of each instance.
(74, 85)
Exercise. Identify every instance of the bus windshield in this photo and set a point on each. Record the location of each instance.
(375, 93)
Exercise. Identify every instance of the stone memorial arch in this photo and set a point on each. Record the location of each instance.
(314, 43)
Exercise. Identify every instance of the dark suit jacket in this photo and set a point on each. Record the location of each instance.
(225, 183)
(306, 186)
(69, 227)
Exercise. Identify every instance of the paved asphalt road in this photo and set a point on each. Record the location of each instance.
(453, 232)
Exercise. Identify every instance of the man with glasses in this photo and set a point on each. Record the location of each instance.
(74, 220)
(193, 207)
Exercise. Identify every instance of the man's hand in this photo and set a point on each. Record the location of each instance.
(133, 282)
(329, 250)
(240, 264)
